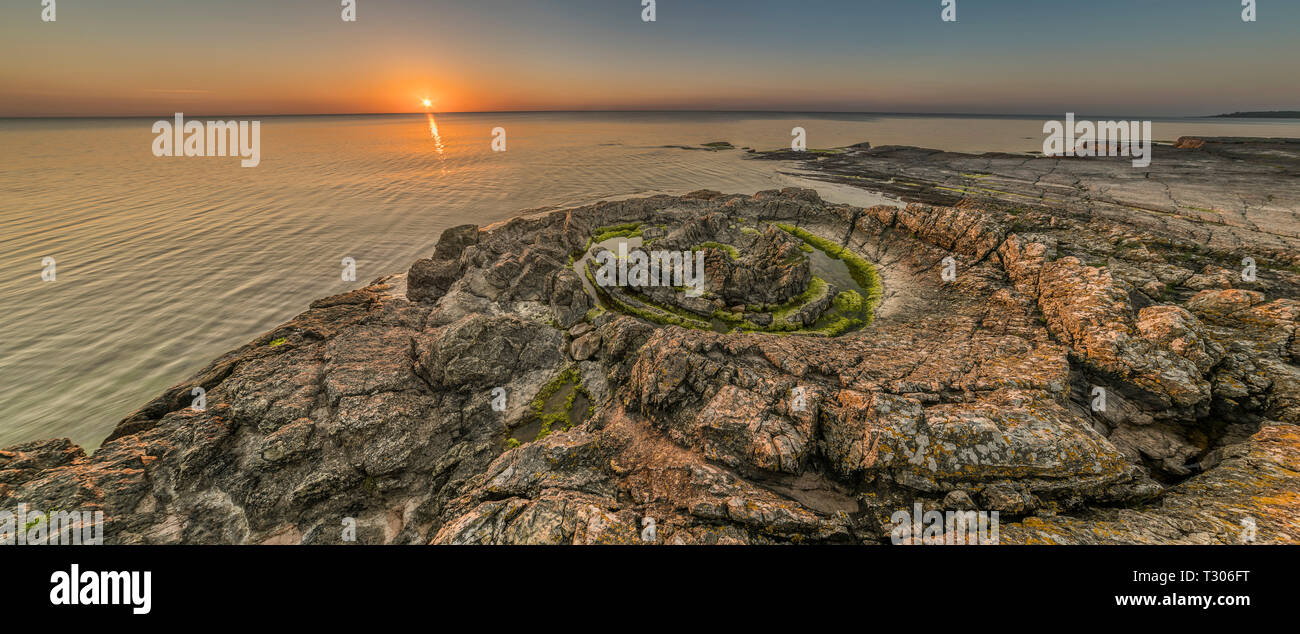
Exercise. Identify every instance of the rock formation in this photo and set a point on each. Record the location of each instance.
(488, 396)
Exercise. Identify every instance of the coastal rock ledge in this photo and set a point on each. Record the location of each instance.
(488, 396)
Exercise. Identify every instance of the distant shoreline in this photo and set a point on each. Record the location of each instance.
(1274, 114)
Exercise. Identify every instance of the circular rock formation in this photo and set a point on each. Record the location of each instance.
(728, 273)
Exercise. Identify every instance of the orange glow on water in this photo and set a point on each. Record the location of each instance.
(433, 132)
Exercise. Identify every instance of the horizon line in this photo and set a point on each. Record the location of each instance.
(622, 111)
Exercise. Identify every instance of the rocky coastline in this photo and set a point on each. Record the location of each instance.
(489, 396)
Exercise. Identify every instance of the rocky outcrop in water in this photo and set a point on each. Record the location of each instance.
(488, 397)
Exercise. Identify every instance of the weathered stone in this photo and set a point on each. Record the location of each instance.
(429, 279)
(1174, 328)
(958, 501)
(1248, 497)
(393, 404)
(585, 347)
(482, 350)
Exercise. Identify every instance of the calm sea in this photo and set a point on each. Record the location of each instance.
(165, 263)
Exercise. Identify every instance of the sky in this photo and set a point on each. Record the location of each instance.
(1120, 57)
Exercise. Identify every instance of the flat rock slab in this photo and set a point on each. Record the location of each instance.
(1223, 192)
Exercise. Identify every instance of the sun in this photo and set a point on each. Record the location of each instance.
(427, 103)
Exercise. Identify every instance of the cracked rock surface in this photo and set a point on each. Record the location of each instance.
(383, 405)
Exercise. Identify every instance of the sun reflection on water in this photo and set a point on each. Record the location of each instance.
(433, 131)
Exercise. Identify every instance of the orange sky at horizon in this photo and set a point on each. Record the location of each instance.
(141, 57)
